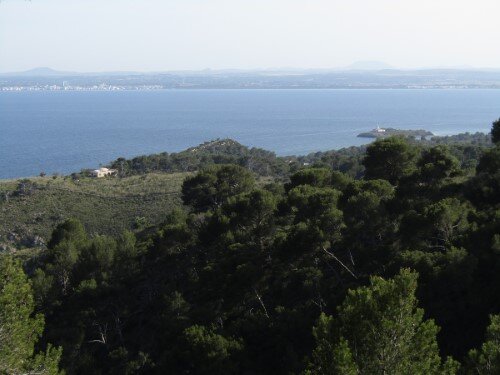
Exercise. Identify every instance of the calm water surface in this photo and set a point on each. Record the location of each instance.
(66, 131)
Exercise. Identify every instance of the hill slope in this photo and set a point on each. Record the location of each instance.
(30, 208)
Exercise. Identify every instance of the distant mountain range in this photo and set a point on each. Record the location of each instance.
(366, 66)
(39, 72)
(49, 72)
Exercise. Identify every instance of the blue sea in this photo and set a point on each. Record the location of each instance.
(63, 132)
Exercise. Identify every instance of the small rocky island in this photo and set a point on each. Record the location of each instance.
(388, 132)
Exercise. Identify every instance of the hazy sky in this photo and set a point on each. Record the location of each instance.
(155, 35)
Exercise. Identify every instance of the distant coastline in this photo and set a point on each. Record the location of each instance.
(49, 80)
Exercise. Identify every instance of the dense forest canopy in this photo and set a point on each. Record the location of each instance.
(318, 271)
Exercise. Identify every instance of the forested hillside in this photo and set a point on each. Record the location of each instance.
(149, 186)
(466, 147)
(324, 272)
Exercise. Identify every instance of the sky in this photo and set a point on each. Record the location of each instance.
(162, 35)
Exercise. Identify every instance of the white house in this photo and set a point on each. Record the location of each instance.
(103, 172)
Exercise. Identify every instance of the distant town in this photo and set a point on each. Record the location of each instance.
(45, 79)
(101, 87)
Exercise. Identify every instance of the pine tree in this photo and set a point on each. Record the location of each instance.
(487, 360)
(495, 132)
(379, 330)
(19, 328)
(389, 159)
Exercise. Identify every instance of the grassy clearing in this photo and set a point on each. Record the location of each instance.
(104, 206)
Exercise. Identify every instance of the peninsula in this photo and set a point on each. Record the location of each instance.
(379, 132)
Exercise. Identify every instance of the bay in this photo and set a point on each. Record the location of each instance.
(63, 132)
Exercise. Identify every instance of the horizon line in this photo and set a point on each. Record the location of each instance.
(48, 70)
